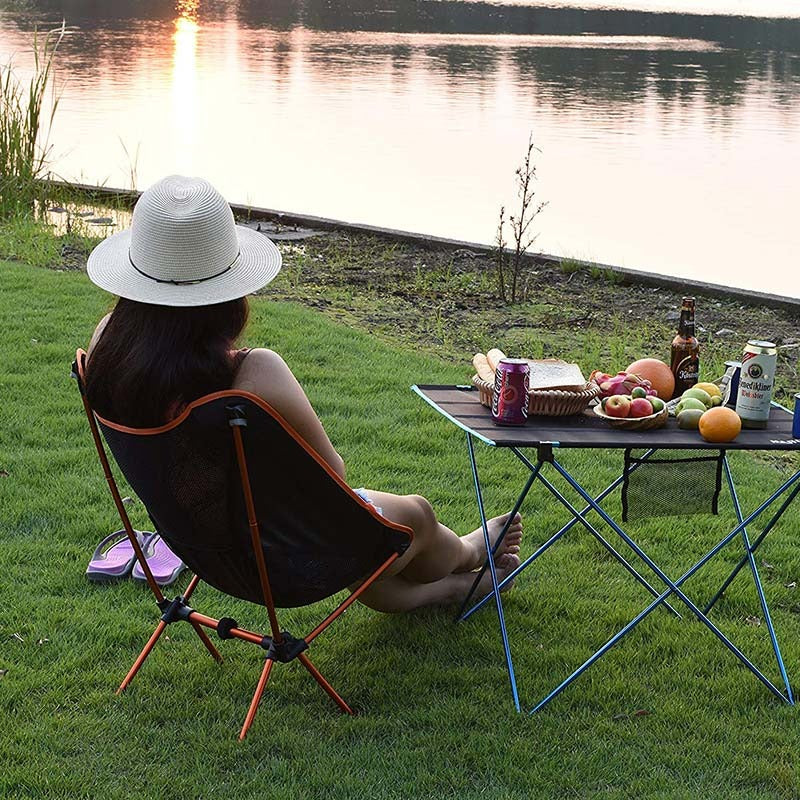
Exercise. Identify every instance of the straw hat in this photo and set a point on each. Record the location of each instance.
(183, 249)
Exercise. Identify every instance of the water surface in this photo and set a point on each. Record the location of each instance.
(669, 140)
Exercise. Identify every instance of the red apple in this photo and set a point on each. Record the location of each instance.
(619, 406)
(640, 407)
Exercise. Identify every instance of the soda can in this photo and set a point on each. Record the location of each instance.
(730, 382)
(755, 383)
(796, 419)
(510, 397)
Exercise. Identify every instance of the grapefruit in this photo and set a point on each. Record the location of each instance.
(658, 373)
(720, 424)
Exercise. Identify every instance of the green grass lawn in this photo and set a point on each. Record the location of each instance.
(436, 718)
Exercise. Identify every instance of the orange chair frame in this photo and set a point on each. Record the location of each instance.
(279, 644)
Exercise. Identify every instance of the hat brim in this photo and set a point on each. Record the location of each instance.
(109, 267)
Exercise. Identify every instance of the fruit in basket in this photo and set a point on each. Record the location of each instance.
(638, 391)
(689, 418)
(720, 424)
(657, 373)
(621, 383)
(690, 402)
(618, 406)
(640, 407)
(657, 404)
(700, 394)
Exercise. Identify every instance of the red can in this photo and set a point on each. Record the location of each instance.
(510, 398)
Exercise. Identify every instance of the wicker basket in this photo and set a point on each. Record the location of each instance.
(545, 402)
(635, 423)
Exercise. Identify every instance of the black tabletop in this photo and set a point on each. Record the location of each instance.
(460, 404)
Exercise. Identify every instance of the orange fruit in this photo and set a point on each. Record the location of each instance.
(720, 424)
(657, 372)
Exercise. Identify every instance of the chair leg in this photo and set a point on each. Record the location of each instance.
(142, 656)
(208, 643)
(262, 684)
(315, 673)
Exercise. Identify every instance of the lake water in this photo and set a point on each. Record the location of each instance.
(668, 130)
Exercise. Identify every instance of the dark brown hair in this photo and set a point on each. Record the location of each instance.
(150, 360)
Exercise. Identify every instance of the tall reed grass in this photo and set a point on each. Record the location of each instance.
(25, 122)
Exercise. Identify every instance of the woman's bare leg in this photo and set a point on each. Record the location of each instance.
(437, 551)
(397, 593)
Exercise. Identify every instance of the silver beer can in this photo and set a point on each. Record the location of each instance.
(756, 382)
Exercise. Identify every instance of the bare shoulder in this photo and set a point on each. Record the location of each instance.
(98, 331)
(260, 370)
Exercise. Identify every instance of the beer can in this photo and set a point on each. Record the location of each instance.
(510, 397)
(756, 382)
(796, 419)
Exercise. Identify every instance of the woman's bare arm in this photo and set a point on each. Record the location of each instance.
(266, 374)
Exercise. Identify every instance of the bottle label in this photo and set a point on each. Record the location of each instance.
(688, 370)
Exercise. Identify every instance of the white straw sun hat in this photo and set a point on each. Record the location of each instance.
(183, 249)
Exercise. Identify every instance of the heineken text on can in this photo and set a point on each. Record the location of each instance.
(510, 398)
(755, 383)
(796, 420)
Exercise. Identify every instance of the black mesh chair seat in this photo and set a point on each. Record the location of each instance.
(317, 536)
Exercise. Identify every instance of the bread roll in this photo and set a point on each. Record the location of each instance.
(494, 356)
(485, 372)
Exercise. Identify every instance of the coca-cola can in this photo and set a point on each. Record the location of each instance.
(510, 397)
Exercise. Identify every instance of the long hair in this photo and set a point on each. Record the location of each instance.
(150, 360)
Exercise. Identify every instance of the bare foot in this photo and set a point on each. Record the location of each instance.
(511, 562)
(509, 546)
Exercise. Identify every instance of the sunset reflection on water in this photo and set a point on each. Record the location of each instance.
(184, 84)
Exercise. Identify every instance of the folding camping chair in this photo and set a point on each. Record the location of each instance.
(253, 511)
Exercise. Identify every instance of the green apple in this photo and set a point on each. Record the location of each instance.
(657, 403)
(689, 418)
(699, 394)
(689, 402)
(638, 391)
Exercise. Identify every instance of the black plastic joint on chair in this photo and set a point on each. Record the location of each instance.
(174, 610)
(287, 650)
(236, 416)
(225, 626)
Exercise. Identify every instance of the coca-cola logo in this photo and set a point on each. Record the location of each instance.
(510, 393)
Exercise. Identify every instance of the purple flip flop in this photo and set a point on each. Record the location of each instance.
(163, 563)
(114, 557)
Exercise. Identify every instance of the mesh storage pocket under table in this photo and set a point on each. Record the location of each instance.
(671, 483)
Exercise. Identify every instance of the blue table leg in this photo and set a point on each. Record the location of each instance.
(581, 517)
(763, 535)
(534, 472)
(484, 524)
(757, 579)
(673, 587)
(535, 469)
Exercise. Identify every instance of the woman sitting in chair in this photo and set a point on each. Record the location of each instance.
(182, 273)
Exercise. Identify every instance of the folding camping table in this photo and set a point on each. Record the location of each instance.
(546, 435)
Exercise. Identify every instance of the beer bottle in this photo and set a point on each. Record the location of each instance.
(685, 350)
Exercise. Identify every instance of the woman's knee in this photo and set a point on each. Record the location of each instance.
(424, 515)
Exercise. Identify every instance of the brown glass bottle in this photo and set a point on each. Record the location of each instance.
(685, 350)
